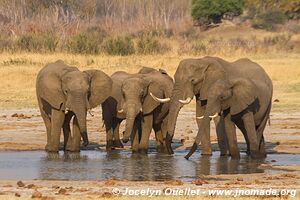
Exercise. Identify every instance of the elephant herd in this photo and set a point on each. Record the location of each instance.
(232, 94)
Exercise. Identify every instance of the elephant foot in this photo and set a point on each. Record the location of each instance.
(109, 145)
(143, 151)
(118, 144)
(257, 155)
(72, 150)
(206, 152)
(135, 151)
(235, 155)
(223, 152)
(51, 149)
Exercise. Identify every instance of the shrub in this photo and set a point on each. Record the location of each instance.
(86, 43)
(151, 45)
(269, 19)
(34, 42)
(118, 46)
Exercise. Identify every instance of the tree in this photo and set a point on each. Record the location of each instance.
(211, 11)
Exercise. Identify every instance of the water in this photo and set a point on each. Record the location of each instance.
(99, 165)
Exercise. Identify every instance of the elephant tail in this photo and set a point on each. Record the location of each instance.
(260, 129)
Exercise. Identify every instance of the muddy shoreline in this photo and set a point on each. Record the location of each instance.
(23, 130)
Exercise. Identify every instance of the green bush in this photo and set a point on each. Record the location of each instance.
(37, 42)
(118, 46)
(213, 10)
(86, 43)
(151, 45)
(269, 19)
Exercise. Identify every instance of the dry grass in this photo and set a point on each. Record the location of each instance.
(18, 72)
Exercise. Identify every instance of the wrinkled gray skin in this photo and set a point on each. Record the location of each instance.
(64, 92)
(131, 100)
(223, 85)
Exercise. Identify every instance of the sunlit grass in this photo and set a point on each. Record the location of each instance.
(18, 73)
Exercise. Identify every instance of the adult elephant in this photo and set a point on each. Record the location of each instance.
(64, 92)
(196, 77)
(135, 97)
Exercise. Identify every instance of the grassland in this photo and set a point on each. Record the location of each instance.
(18, 70)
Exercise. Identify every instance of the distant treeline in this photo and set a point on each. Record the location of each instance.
(123, 27)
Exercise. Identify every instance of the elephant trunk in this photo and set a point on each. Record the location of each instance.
(203, 128)
(130, 119)
(172, 118)
(80, 111)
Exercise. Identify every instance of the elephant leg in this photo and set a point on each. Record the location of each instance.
(240, 125)
(135, 137)
(248, 120)
(159, 137)
(108, 123)
(221, 135)
(57, 120)
(66, 128)
(230, 131)
(116, 134)
(47, 123)
(205, 138)
(73, 144)
(146, 130)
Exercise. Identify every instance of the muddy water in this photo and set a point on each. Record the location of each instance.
(98, 165)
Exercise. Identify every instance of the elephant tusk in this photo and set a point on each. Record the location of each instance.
(158, 99)
(120, 111)
(215, 115)
(187, 101)
(200, 117)
(67, 110)
(141, 110)
(90, 112)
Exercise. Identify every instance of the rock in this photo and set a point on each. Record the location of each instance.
(173, 182)
(55, 187)
(14, 115)
(273, 161)
(17, 194)
(47, 198)
(36, 194)
(62, 191)
(7, 186)
(31, 186)
(199, 182)
(239, 179)
(276, 100)
(110, 181)
(107, 194)
(20, 184)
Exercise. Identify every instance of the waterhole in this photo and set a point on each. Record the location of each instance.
(99, 165)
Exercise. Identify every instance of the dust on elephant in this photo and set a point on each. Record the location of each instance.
(196, 77)
(64, 92)
(135, 98)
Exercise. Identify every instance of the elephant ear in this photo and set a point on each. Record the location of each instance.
(100, 87)
(212, 72)
(49, 83)
(156, 89)
(244, 93)
(146, 70)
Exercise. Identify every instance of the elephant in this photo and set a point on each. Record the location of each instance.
(241, 88)
(63, 92)
(135, 97)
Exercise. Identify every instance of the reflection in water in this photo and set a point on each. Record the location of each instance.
(98, 165)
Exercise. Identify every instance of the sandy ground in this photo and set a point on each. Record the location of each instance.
(23, 129)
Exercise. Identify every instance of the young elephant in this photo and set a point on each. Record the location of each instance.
(135, 98)
(244, 103)
(63, 92)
